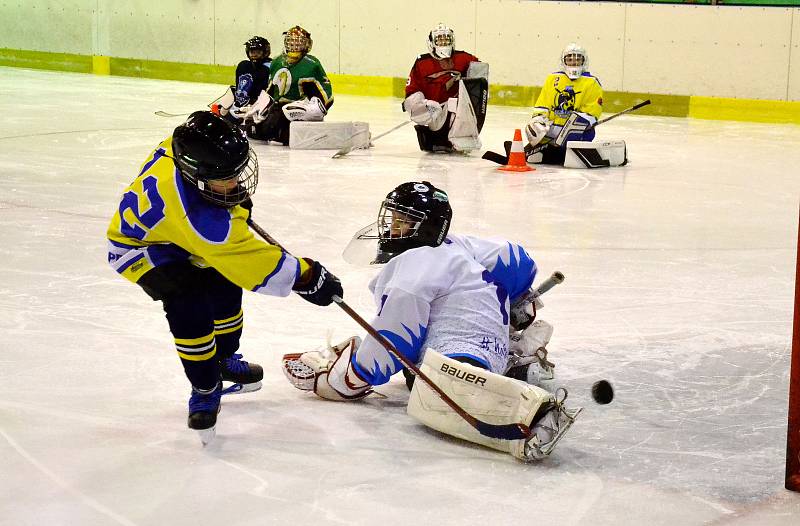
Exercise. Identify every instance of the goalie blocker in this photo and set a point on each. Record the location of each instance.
(491, 398)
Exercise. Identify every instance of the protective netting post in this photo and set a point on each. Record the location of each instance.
(793, 432)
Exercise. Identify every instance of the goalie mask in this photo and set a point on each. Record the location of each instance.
(257, 49)
(574, 61)
(441, 42)
(413, 215)
(296, 44)
(214, 156)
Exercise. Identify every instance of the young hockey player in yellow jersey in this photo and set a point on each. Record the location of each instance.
(180, 232)
(567, 108)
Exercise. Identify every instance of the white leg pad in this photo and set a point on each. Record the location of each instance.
(595, 154)
(304, 135)
(487, 396)
(463, 133)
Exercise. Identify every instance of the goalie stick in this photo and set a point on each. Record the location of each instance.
(513, 431)
(503, 159)
(347, 149)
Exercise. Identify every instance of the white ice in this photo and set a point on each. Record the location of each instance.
(679, 289)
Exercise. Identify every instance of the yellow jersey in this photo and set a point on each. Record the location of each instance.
(561, 95)
(162, 219)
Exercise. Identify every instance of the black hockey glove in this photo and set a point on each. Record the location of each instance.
(319, 286)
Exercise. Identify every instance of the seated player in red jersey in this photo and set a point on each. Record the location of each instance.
(446, 95)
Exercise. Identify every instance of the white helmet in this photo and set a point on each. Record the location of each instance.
(441, 41)
(579, 60)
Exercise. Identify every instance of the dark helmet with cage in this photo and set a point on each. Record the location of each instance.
(414, 214)
(257, 49)
(296, 44)
(214, 156)
(441, 41)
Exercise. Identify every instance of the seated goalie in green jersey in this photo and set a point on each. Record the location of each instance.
(299, 90)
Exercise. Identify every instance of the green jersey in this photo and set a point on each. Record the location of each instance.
(304, 79)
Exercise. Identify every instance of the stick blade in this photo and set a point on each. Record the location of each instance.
(495, 157)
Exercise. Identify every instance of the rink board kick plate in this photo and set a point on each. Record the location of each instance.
(327, 135)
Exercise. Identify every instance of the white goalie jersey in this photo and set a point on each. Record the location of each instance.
(453, 298)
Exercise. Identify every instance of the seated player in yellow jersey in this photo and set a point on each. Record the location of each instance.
(566, 110)
(181, 233)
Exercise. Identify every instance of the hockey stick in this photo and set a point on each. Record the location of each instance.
(347, 149)
(503, 159)
(167, 114)
(515, 431)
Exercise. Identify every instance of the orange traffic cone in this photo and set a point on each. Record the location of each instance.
(516, 158)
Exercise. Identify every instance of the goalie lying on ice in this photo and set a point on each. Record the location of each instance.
(446, 302)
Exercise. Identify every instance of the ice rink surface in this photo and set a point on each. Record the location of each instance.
(679, 290)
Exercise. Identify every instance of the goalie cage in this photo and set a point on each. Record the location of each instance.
(793, 429)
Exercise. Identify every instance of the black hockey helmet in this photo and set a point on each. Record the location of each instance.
(215, 157)
(258, 43)
(413, 215)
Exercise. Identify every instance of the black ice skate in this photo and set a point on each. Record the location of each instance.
(246, 377)
(203, 408)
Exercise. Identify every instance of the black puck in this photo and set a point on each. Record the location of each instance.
(602, 392)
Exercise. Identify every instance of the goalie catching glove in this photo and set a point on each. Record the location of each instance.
(537, 128)
(328, 372)
(305, 110)
(425, 112)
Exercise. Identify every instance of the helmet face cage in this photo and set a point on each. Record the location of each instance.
(297, 43)
(257, 44)
(441, 41)
(218, 188)
(396, 221)
(412, 215)
(574, 61)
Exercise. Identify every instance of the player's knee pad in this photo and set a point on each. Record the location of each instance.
(487, 396)
(599, 154)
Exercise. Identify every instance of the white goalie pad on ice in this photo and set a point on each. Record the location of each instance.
(486, 396)
(463, 133)
(595, 154)
(304, 135)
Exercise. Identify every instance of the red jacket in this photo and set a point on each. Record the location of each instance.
(431, 76)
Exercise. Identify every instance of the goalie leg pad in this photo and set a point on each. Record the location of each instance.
(598, 154)
(327, 135)
(463, 134)
(488, 397)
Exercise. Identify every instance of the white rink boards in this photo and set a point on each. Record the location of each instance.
(679, 289)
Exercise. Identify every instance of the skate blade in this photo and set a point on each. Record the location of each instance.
(241, 388)
(571, 415)
(207, 435)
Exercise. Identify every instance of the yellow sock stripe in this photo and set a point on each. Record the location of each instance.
(195, 341)
(226, 320)
(199, 357)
